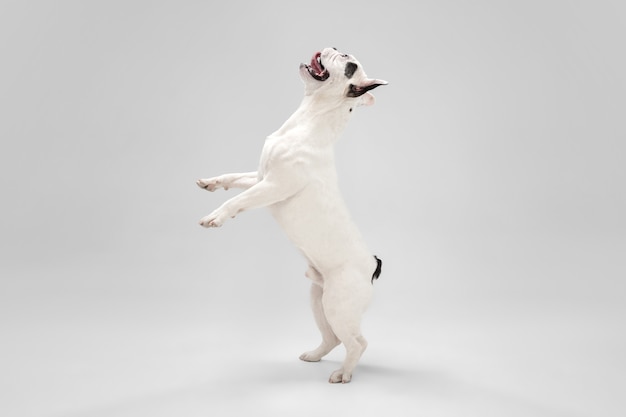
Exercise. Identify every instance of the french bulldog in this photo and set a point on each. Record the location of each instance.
(297, 180)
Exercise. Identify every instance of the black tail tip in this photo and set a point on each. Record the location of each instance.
(379, 268)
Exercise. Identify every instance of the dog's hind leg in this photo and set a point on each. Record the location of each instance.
(329, 340)
(345, 299)
(239, 180)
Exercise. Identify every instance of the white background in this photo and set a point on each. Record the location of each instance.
(489, 177)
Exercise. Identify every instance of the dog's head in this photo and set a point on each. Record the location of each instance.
(334, 74)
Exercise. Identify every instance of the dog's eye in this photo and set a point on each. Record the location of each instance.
(344, 55)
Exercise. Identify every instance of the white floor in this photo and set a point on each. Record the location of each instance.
(171, 353)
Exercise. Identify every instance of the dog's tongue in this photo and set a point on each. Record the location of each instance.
(315, 63)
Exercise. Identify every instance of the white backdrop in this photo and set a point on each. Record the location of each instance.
(489, 177)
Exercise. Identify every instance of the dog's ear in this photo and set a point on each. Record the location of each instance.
(357, 90)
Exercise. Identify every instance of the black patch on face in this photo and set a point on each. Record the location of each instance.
(351, 68)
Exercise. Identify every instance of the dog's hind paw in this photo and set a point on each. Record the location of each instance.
(340, 376)
(312, 356)
(210, 184)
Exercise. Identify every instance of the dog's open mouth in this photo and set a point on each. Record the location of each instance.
(316, 69)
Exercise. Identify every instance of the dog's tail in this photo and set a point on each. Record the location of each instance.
(379, 269)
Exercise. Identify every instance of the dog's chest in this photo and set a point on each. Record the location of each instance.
(309, 159)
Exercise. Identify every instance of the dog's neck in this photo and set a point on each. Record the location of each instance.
(322, 117)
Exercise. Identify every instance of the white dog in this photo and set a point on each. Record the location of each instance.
(297, 180)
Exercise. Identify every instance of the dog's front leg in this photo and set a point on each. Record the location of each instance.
(239, 180)
(263, 194)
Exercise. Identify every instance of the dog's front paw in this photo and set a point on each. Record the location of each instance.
(215, 219)
(211, 184)
(340, 376)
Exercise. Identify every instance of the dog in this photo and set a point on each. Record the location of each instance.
(297, 180)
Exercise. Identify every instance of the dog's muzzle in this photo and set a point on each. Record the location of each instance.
(316, 69)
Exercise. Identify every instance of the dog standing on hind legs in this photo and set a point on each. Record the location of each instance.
(297, 180)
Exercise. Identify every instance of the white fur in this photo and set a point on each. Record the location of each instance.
(297, 180)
